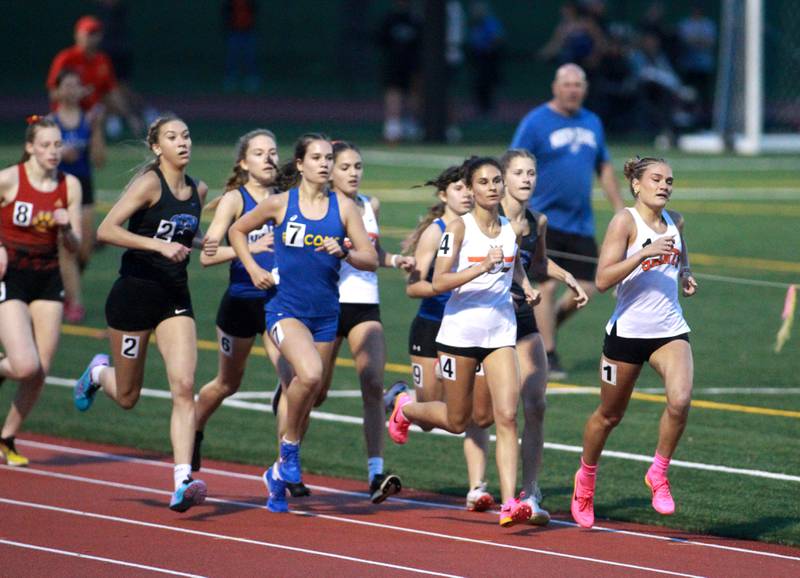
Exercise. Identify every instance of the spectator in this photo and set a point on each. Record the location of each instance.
(577, 38)
(96, 72)
(400, 39)
(569, 143)
(654, 22)
(239, 18)
(697, 37)
(615, 83)
(485, 45)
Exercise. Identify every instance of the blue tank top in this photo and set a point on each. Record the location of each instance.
(78, 138)
(240, 284)
(308, 279)
(433, 307)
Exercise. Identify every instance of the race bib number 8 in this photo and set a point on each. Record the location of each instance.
(23, 213)
(446, 245)
(295, 232)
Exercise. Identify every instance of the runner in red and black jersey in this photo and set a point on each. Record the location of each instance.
(39, 207)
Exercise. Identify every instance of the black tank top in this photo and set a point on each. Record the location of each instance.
(169, 219)
(526, 252)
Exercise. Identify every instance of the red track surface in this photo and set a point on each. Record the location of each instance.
(90, 510)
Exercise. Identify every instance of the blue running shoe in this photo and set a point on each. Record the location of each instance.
(397, 388)
(84, 390)
(289, 463)
(189, 493)
(277, 492)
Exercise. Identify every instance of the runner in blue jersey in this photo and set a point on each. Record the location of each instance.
(569, 144)
(84, 145)
(241, 312)
(311, 223)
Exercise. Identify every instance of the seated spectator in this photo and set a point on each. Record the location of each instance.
(615, 83)
(697, 37)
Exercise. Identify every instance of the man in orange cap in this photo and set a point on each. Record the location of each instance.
(95, 70)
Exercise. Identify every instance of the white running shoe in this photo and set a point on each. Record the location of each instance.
(539, 516)
(479, 499)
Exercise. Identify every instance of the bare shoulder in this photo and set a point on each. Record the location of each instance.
(456, 226)
(621, 222)
(9, 179)
(202, 190)
(146, 188)
(375, 204)
(73, 186)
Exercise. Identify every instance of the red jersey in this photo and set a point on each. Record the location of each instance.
(96, 72)
(27, 227)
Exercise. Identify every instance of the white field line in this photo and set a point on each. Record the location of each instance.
(355, 420)
(96, 558)
(326, 489)
(213, 535)
(340, 519)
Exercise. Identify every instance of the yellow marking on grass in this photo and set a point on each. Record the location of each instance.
(750, 263)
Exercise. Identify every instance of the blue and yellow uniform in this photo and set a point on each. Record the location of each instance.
(79, 138)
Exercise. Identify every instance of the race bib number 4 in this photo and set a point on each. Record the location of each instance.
(445, 245)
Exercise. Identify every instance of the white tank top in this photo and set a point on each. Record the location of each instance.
(480, 313)
(355, 285)
(647, 299)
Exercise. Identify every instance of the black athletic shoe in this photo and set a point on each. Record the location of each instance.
(298, 490)
(276, 397)
(196, 456)
(383, 486)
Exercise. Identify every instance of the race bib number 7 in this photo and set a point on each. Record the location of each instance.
(295, 232)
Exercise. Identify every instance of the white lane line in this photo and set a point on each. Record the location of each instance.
(328, 517)
(354, 420)
(336, 491)
(97, 558)
(214, 535)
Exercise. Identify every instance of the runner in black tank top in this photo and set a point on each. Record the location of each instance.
(162, 206)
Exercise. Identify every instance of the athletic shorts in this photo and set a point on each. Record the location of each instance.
(27, 285)
(323, 329)
(477, 353)
(352, 314)
(633, 349)
(526, 320)
(138, 304)
(422, 337)
(241, 317)
(577, 245)
(87, 190)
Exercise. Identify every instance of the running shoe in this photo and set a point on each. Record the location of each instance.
(84, 390)
(382, 486)
(276, 502)
(539, 516)
(298, 490)
(197, 458)
(515, 511)
(276, 397)
(662, 496)
(398, 423)
(391, 394)
(289, 463)
(12, 456)
(554, 370)
(479, 499)
(582, 506)
(189, 493)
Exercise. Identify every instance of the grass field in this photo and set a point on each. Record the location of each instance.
(741, 216)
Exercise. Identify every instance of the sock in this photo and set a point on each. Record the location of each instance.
(96, 372)
(8, 442)
(587, 475)
(659, 467)
(374, 467)
(285, 441)
(276, 473)
(180, 473)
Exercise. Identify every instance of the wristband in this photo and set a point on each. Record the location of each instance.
(394, 259)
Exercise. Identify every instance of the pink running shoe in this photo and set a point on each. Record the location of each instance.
(515, 511)
(398, 424)
(582, 506)
(662, 497)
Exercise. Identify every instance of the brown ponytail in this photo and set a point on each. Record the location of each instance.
(449, 176)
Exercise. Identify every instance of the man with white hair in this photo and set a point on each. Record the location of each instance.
(570, 147)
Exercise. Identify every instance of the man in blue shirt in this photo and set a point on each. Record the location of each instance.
(570, 147)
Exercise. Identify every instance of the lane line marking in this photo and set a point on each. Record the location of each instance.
(97, 558)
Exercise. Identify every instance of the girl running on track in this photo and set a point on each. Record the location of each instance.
(477, 260)
(455, 200)
(40, 209)
(84, 146)
(311, 223)
(162, 206)
(240, 316)
(644, 256)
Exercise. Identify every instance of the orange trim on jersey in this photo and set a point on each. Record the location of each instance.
(479, 259)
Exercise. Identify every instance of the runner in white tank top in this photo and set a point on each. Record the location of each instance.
(356, 286)
(476, 260)
(644, 256)
(480, 313)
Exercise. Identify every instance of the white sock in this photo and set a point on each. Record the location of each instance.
(180, 473)
(96, 372)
